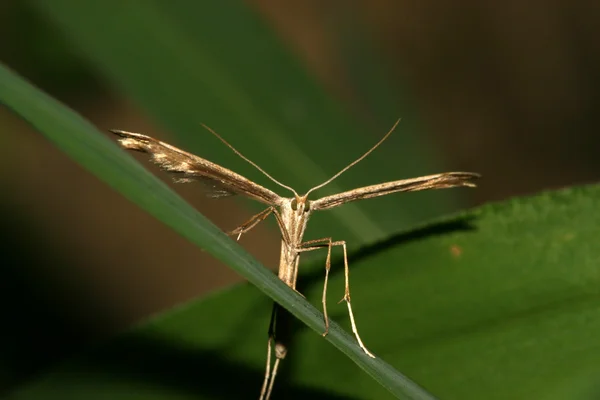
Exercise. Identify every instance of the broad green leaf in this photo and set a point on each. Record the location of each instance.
(76, 137)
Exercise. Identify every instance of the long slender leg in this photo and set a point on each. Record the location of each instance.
(265, 385)
(280, 353)
(252, 222)
(327, 242)
(347, 299)
(258, 218)
(263, 391)
(316, 245)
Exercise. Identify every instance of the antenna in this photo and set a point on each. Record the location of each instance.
(353, 163)
(248, 160)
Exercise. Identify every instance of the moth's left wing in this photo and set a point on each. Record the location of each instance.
(217, 181)
(438, 181)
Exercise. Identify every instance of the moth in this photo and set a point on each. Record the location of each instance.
(291, 213)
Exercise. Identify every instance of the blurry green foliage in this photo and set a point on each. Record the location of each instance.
(502, 302)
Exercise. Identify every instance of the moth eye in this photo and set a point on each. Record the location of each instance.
(294, 204)
(307, 206)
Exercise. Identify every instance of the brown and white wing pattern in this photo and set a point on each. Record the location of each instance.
(218, 181)
(438, 181)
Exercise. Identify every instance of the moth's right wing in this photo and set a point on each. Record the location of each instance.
(437, 181)
(218, 181)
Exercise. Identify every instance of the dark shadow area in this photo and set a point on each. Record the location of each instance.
(37, 330)
(462, 224)
(163, 362)
(316, 275)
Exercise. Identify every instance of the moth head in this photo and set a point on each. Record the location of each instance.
(300, 204)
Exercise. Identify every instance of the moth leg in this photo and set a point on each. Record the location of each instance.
(280, 353)
(265, 384)
(318, 244)
(251, 223)
(258, 218)
(347, 299)
(329, 243)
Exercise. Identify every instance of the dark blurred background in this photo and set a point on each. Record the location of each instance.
(508, 89)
